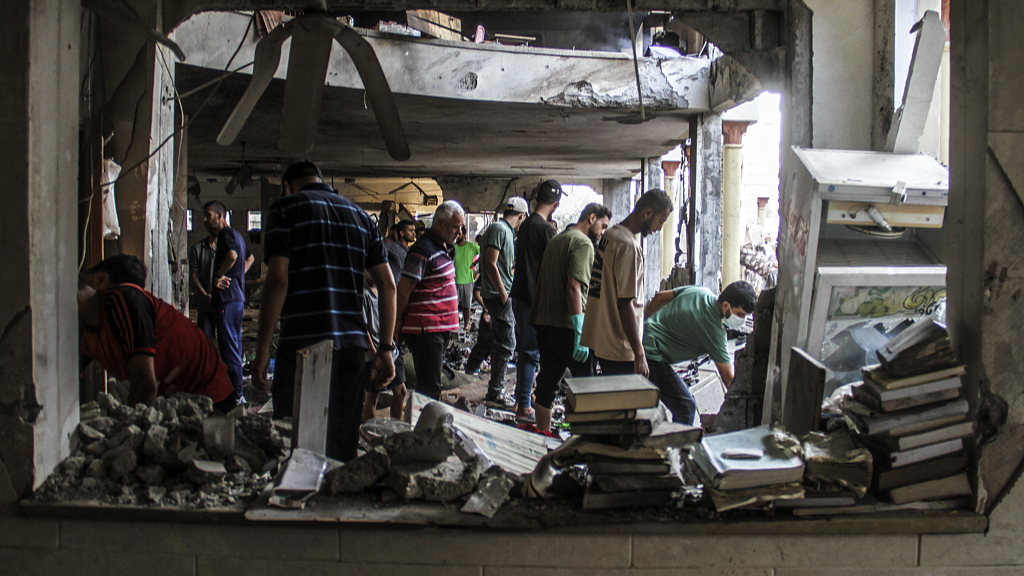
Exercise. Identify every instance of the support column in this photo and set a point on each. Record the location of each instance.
(732, 197)
(39, 240)
(653, 178)
(884, 79)
(670, 232)
(616, 197)
(706, 133)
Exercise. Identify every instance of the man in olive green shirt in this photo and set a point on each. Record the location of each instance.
(559, 300)
(686, 323)
(498, 246)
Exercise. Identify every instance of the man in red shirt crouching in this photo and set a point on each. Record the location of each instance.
(137, 337)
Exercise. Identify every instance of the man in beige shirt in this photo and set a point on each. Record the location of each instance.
(615, 309)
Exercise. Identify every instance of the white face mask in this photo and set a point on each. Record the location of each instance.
(734, 322)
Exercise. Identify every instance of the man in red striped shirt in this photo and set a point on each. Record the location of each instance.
(428, 302)
(137, 337)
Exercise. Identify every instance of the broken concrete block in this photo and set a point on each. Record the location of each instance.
(359, 474)
(420, 446)
(236, 464)
(156, 494)
(96, 469)
(442, 482)
(152, 475)
(250, 452)
(107, 402)
(96, 448)
(89, 483)
(152, 416)
(88, 411)
(153, 446)
(89, 433)
(132, 435)
(124, 464)
(204, 471)
(190, 452)
(101, 424)
(202, 405)
(492, 491)
(73, 465)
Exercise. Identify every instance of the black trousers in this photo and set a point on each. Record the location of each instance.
(556, 345)
(482, 349)
(616, 367)
(345, 405)
(428, 355)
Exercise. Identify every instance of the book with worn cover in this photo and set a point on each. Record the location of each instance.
(602, 393)
(885, 460)
(941, 488)
(875, 424)
(818, 499)
(921, 471)
(671, 435)
(878, 375)
(602, 416)
(899, 443)
(641, 425)
(866, 396)
(746, 459)
(924, 347)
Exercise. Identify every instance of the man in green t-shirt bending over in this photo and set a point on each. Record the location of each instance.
(688, 322)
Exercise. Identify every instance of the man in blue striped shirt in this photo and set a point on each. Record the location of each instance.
(317, 245)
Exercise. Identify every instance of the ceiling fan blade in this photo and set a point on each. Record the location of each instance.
(304, 88)
(378, 91)
(268, 57)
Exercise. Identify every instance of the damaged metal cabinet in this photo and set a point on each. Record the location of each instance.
(860, 250)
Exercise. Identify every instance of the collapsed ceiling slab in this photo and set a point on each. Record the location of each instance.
(468, 109)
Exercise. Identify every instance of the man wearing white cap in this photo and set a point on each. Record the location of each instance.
(498, 247)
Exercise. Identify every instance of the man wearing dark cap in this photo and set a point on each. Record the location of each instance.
(534, 235)
(317, 247)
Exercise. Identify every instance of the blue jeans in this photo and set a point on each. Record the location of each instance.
(674, 392)
(529, 353)
(229, 340)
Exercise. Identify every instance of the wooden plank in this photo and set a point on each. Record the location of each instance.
(312, 396)
(436, 24)
(801, 405)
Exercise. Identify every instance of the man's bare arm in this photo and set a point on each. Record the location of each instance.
(625, 307)
(657, 303)
(275, 289)
(725, 371)
(142, 372)
(491, 269)
(383, 364)
(248, 263)
(405, 287)
(574, 296)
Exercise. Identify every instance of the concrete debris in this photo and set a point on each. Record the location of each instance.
(158, 456)
(429, 446)
(359, 474)
(442, 482)
(491, 493)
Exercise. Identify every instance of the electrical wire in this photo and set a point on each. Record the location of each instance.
(202, 106)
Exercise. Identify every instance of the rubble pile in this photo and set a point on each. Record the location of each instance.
(174, 453)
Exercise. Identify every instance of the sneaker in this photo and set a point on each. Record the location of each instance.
(526, 414)
(502, 400)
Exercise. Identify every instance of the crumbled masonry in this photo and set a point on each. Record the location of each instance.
(157, 456)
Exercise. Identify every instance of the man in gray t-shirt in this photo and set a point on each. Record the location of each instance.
(497, 246)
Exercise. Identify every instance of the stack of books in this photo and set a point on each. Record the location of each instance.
(630, 445)
(746, 467)
(910, 412)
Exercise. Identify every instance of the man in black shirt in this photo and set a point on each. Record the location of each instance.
(534, 235)
(200, 271)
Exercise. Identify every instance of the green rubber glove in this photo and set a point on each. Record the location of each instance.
(579, 353)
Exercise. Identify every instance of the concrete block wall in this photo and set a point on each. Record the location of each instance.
(112, 548)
